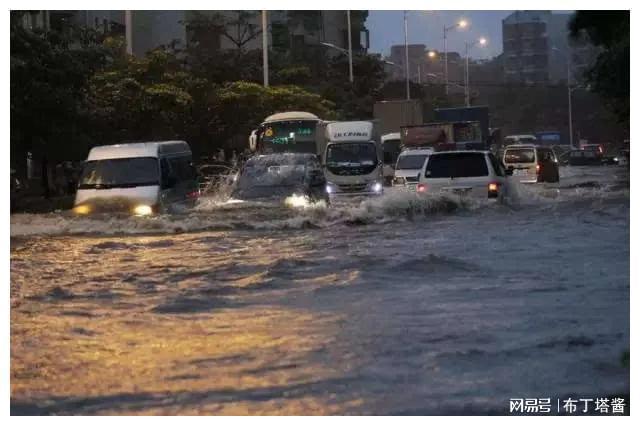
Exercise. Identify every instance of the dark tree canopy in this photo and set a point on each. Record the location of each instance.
(609, 76)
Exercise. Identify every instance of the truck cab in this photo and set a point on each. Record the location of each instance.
(352, 159)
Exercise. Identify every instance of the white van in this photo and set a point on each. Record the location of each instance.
(409, 165)
(531, 163)
(138, 178)
(465, 173)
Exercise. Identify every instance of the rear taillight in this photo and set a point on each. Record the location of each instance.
(537, 168)
(421, 188)
(194, 194)
(493, 189)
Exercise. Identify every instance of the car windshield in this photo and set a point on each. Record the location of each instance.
(120, 173)
(454, 165)
(519, 155)
(272, 174)
(352, 158)
(411, 161)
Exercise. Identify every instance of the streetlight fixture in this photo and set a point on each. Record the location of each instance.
(460, 24)
(467, 46)
(347, 52)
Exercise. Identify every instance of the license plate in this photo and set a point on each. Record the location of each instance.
(458, 191)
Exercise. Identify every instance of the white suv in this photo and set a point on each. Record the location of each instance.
(466, 173)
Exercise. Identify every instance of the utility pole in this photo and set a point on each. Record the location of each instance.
(467, 101)
(570, 101)
(446, 62)
(406, 55)
(350, 50)
(265, 49)
(128, 31)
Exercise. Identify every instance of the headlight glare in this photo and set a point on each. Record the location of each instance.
(142, 210)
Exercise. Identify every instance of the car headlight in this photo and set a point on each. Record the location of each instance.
(82, 209)
(376, 187)
(142, 210)
(297, 201)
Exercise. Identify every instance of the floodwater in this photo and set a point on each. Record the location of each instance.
(394, 305)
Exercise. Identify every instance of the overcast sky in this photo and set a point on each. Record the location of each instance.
(387, 28)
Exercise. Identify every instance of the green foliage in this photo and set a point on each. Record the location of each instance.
(49, 78)
(610, 75)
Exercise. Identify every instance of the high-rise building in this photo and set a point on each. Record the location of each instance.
(525, 44)
(537, 48)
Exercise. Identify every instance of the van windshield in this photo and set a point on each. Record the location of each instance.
(120, 173)
(454, 165)
(411, 162)
(519, 155)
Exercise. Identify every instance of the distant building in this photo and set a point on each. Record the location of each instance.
(537, 48)
(525, 45)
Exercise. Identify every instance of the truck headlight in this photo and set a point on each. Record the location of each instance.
(376, 187)
(330, 188)
(142, 210)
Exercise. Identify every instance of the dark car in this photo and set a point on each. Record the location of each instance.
(581, 157)
(280, 176)
(213, 174)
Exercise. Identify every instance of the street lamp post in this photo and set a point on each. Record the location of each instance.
(406, 55)
(467, 46)
(265, 49)
(460, 24)
(128, 31)
(569, 90)
(350, 51)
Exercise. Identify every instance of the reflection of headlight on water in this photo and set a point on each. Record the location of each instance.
(81, 209)
(233, 201)
(142, 210)
(297, 201)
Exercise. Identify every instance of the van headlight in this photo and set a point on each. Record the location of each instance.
(82, 209)
(376, 187)
(330, 188)
(142, 210)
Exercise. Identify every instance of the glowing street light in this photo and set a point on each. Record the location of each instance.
(462, 24)
(467, 46)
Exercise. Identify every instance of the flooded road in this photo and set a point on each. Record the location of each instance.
(396, 305)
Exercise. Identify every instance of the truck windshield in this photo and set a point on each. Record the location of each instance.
(357, 158)
(120, 173)
(411, 162)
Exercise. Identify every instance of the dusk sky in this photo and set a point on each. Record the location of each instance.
(387, 28)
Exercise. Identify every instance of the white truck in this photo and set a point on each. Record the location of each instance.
(352, 159)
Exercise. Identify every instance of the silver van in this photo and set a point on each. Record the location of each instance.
(137, 178)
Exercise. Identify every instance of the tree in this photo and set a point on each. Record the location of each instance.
(609, 76)
(49, 79)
